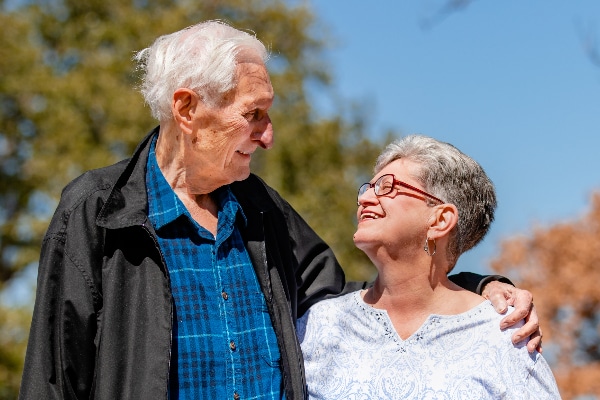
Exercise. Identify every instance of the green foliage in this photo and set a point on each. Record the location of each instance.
(68, 103)
(13, 341)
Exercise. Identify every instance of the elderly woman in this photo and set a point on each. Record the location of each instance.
(414, 333)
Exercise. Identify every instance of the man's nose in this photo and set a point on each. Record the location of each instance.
(264, 133)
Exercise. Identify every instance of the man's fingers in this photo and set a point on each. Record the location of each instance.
(523, 299)
(499, 303)
(535, 342)
(523, 304)
(497, 293)
(518, 314)
(530, 330)
(531, 346)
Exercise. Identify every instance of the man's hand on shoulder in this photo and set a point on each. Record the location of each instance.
(503, 295)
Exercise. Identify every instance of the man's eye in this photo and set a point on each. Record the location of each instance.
(252, 115)
(255, 115)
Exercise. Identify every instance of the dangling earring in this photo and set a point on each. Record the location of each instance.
(426, 247)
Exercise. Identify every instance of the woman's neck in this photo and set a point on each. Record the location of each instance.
(410, 293)
(407, 289)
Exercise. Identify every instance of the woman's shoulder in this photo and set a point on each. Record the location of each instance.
(328, 311)
(484, 312)
(334, 305)
(480, 320)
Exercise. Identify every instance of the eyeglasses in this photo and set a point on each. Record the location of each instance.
(385, 184)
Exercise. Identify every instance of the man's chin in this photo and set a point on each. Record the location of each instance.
(243, 175)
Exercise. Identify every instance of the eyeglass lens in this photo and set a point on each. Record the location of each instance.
(383, 186)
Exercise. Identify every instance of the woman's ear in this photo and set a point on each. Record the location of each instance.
(442, 221)
(184, 106)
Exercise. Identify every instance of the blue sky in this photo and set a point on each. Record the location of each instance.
(508, 82)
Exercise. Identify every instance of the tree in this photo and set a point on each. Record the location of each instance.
(559, 265)
(68, 104)
(13, 341)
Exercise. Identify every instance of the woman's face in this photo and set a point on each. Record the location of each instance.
(398, 220)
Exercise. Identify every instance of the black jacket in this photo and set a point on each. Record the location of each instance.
(102, 321)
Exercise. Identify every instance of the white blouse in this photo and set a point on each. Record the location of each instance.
(352, 352)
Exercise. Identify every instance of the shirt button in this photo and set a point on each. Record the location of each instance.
(236, 396)
(224, 295)
(232, 345)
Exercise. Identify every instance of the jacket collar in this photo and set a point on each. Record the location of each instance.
(127, 204)
(252, 193)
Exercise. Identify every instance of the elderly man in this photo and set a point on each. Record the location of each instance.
(177, 273)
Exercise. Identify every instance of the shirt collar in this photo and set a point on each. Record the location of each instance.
(165, 206)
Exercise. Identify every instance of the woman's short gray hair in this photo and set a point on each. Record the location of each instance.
(202, 57)
(454, 177)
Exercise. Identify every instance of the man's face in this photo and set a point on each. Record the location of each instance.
(225, 137)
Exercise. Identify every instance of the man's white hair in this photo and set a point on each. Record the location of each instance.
(202, 57)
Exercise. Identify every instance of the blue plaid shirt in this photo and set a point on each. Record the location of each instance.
(224, 345)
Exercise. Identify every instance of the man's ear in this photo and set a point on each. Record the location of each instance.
(184, 106)
(442, 221)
